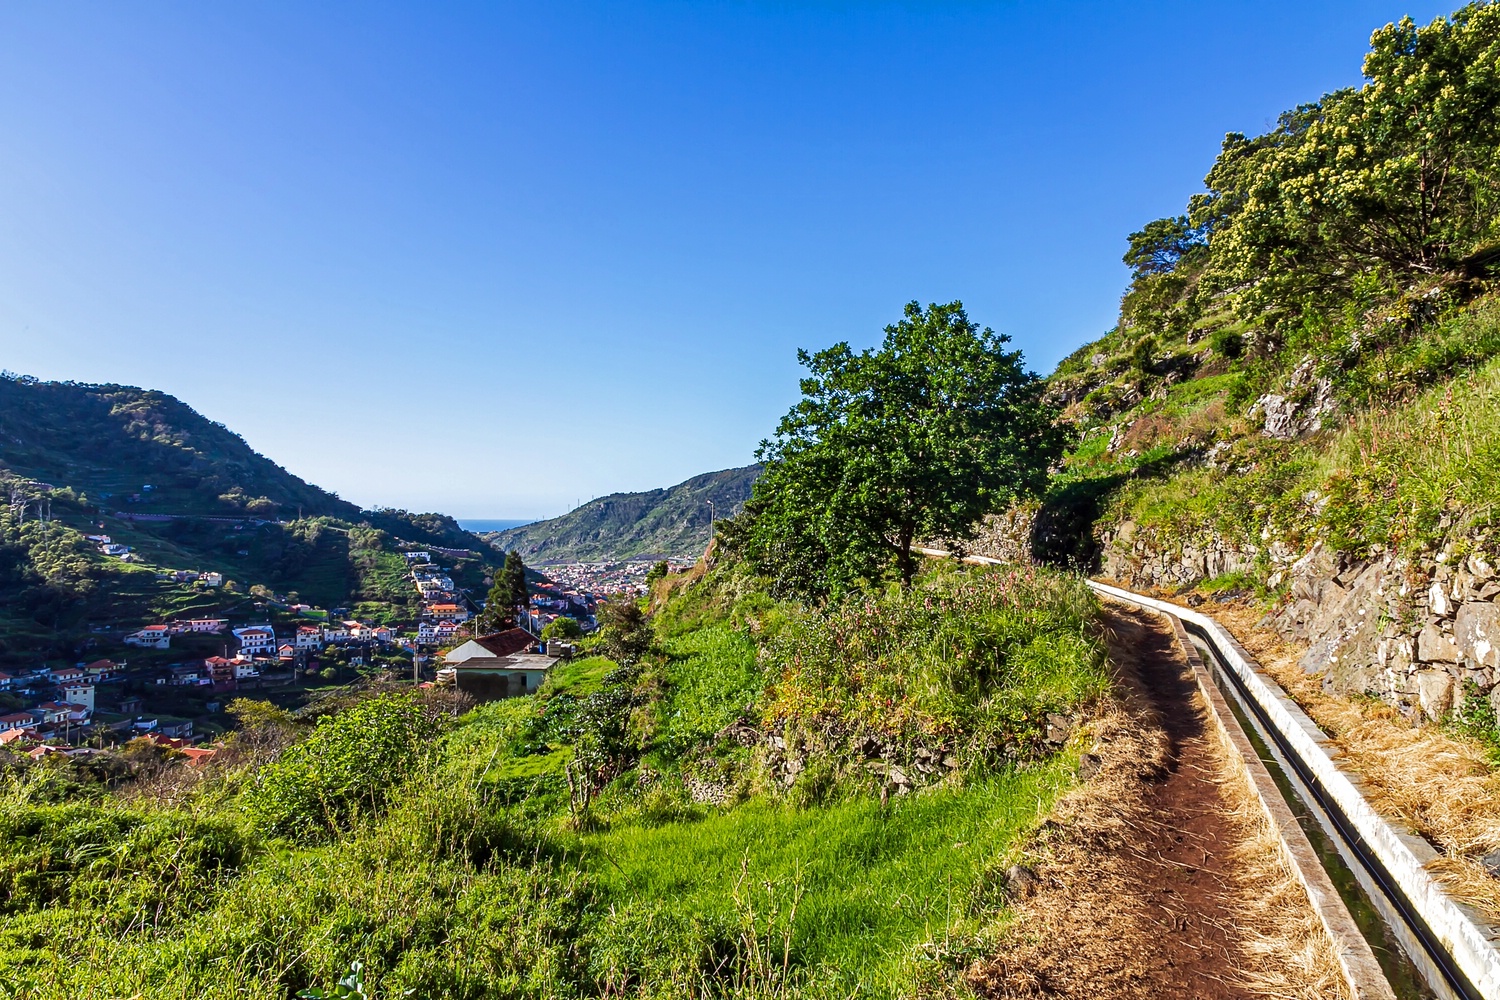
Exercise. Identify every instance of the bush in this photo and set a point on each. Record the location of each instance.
(1228, 343)
(348, 765)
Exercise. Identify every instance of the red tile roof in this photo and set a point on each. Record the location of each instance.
(507, 643)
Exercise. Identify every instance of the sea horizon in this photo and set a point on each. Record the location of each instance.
(481, 524)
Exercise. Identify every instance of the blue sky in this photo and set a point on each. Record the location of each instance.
(494, 259)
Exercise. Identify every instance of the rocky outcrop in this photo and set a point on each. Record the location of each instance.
(1300, 408)
(1421, 634)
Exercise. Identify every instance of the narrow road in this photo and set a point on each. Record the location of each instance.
(1158, 878)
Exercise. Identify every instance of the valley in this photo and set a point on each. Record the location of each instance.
(1174, 672)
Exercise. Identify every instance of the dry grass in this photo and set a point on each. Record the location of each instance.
(1107, 920)
(1441, 785)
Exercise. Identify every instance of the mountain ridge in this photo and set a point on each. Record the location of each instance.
(672, 521)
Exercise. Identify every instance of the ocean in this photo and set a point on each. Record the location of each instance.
(481, 524)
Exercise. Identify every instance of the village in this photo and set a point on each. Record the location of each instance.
(143, 692)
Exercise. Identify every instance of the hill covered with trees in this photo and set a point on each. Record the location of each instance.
(183, 493)
(665, 522)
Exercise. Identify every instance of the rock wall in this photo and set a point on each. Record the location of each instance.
(1419, 634)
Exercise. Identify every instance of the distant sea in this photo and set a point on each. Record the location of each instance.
(482, 524)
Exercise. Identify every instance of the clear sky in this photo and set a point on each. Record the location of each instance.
(493, 259)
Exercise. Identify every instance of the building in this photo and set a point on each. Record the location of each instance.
(335, 633)
(308, 637)
(50, 713)
(214, 625)
(245, 670)
(79, 693)
(449, 612)
(102, 670)
(499, 665)
(67, 675)
(18, 721)
(211, 579)
(151, 637)
(255, 640)
(221, 672)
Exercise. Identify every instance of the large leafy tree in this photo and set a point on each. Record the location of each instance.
(919, 438)
(1369, 192)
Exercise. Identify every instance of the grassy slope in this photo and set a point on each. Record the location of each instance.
(468, 879)
(672, 521)
(1409, 456)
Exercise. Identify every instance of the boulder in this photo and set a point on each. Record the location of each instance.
(1435, 692)
(1476, 630)
(1436, 646)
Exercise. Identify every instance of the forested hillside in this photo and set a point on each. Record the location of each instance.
(666, 522)
(183, 493)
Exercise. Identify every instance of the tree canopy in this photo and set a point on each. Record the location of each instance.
(1368, 193)
(916, 439)
(507, 593)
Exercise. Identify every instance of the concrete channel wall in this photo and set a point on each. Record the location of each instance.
(1362, 970)
(1469, 942)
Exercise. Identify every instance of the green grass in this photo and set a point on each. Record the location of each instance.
(881, 893)
(462, 866)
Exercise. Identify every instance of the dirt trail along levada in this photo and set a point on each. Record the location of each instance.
(1159, 877)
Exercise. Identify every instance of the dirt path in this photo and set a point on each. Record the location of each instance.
(1158, 878)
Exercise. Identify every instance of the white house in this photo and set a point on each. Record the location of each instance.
(245, 670)
(256, 640)
(308, 637)
(79, 693)
(335, 633)
(211, 579)
(17, 720)
(206, 625)
(151, 637)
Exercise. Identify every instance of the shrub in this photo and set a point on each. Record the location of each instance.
(1228, 343)
(348, 765)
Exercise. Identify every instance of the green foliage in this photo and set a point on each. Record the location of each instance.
(1228, 343)
(625, 634)
(562, 627)
(345, 769)
(917, 439)
(974, 660)
(127, 867)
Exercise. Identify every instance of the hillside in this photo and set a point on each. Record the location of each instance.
(1298, 400)
(184, 493)
(111, 441)
(667, 522)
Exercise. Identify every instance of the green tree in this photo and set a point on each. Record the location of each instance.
(562, 627)
(917, 439)
(1392, 183)
(507, 593)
